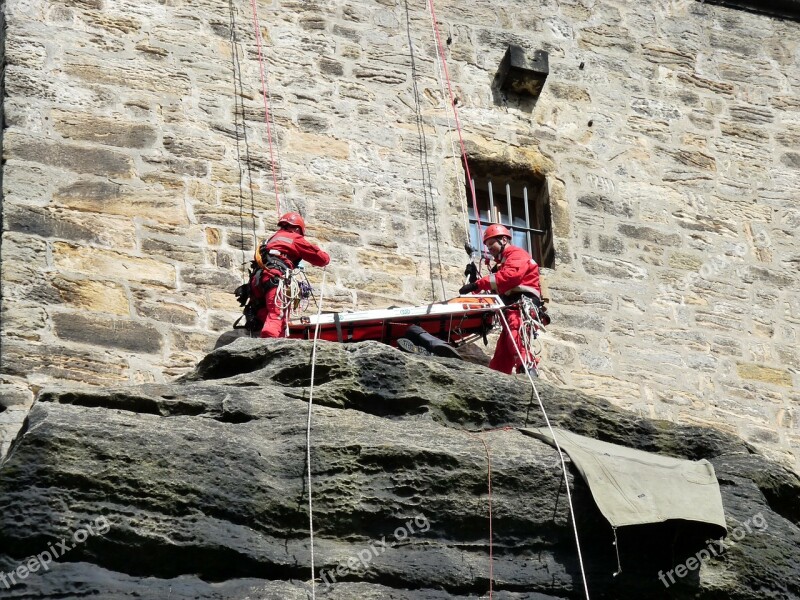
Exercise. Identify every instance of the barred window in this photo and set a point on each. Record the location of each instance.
(522, 206)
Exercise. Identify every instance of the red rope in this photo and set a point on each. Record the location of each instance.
(264, 92)
(491, 537)
(455, 113)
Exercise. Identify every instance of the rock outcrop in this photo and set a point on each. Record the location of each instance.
(198, 489)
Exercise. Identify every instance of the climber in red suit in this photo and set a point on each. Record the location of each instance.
(276, 257)
(515, 274)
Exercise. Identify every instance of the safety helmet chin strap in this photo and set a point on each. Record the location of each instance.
(503, 244)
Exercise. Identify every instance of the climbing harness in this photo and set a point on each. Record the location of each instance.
(292, 294)
(532, 317)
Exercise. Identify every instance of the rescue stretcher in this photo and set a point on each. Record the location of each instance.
(457, 321)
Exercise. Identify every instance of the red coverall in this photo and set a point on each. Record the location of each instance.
(290, 248)
(516, 272)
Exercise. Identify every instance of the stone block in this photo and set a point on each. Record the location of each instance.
(726, 346)
(174, 250)
(694, 159)
(617, 269)
(93, 295)
(188, 146)
(107, 197)
(14, 395)
(305, 144)
(79, 159)
(768, 276)
(94, 261)
(386, 262)
(48, 362)
(169, 166)
(124, 334)
(103, 130)
(23, 320)
(209, 278)
(791, 159)
(46, 223)
(649, 234)
(165, 311)
(571, 319)
(686, 262)
(374, 282)
(134, 75)
(611, 244)
(605, 204)
(764, 374)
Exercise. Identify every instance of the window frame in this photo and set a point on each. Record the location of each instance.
(534, 199)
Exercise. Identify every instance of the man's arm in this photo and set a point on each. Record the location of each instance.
(311, 253)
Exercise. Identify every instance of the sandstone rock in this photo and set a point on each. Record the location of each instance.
(111, 198)
(90, 261)
(111, 333)
(96, 161)
(204, 480)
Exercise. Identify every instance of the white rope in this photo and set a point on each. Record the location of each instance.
(308, 436)
(456, 167)
(560, 454)
(529, 331)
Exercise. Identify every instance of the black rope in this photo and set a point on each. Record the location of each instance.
(238, 99)
(427, 184)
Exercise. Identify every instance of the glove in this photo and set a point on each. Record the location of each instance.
(471, 271)
(468, 288)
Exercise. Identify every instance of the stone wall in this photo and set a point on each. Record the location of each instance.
(667, 132)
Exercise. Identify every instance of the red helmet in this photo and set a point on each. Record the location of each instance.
(495, 231)
(293, 218)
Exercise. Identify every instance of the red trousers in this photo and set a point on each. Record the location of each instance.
(274, 318)
(505, 357)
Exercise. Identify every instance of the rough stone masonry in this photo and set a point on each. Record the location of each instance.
(137, 173)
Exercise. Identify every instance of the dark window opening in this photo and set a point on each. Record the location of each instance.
(521, 205)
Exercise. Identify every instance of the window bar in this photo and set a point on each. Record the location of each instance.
(527, 217)
(477, 218)
(491, 201)
(510, 215)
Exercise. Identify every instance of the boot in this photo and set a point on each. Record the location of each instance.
(431, 343)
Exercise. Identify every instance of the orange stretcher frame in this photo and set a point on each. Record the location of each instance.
(456, 321)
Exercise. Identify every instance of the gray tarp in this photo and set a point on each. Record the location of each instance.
(633, 487)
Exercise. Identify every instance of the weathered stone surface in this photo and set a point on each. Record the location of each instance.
(93, 295)
(764, 374)
(111, 333)
(96, 161)
(665, 131)
(46, 223)
(40, 362)
(613, 268)
(90, 261)
(112, 198)
(605, 204)
(106, 131)
(210, 472)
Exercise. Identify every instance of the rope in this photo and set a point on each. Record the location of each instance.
(560, 453)
(491, 535)
(456, 169)
(238, 100)
(292, 294)
(455, 114)
(308, 438)
(529, 329)
(427, 184)
(264, 94)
